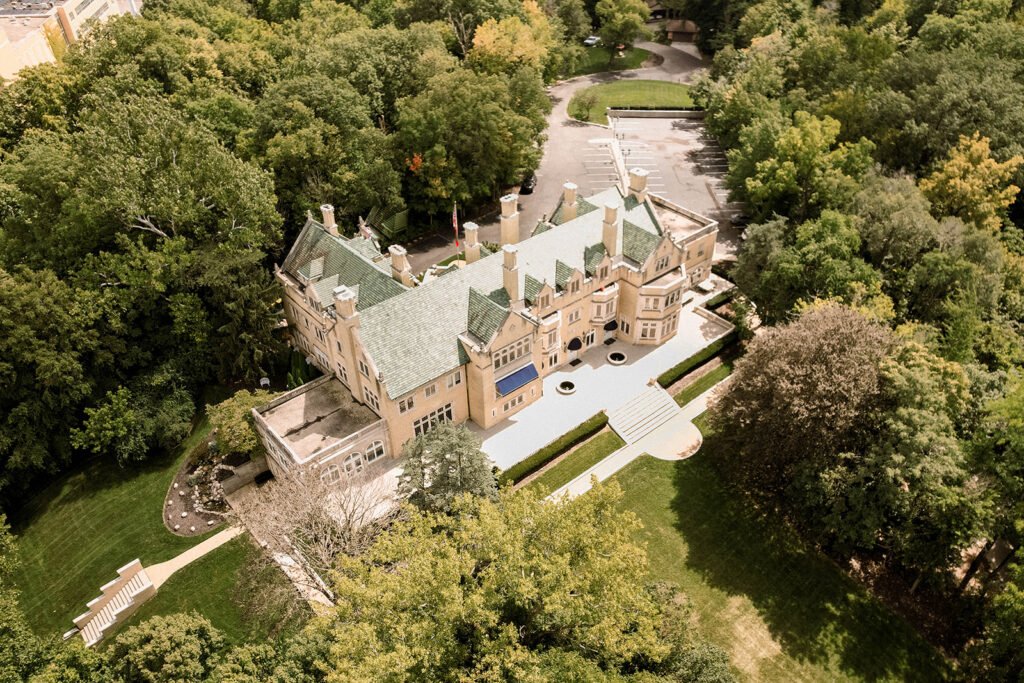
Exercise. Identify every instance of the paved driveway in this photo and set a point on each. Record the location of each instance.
(599, 386)
(573, 151)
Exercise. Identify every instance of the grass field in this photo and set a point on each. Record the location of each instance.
(704, 383)
(74, 534)
(579, 461)
(781, 611)
(207, 586)
(595, 60)
(631, 93)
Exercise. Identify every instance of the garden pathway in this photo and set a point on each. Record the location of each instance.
(159, 573)
(676, 439)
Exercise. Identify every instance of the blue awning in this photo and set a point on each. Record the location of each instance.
(522, 376)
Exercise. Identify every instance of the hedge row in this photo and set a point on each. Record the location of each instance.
(577, 434)
(699, 358)
(721, 299)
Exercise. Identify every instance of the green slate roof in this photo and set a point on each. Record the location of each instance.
(485, 316)
(583, 207)
(531, 288)
(563, 272)
(413, 338)
(592, 256)
(345, 263)
(637, 243)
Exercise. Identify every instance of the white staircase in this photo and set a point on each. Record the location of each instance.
(643, 413)
(119, 599)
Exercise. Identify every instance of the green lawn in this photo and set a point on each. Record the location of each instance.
(781, 611)
(632, 93)
(595, 60)
(207, 586)
(579, 461)
(74, 534)
(704, 383)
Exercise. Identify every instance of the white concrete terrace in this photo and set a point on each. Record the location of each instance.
(599, 386)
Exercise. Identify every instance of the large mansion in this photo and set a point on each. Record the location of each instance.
(473, 341)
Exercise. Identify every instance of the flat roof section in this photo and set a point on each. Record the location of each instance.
(315, 419)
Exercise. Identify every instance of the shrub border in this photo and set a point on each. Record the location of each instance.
(672, 374)
(721, 299)
(543, 456)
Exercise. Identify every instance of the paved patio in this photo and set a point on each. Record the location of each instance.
(599, 386)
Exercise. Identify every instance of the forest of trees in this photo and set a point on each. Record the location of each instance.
(150, 180)
(878, 150)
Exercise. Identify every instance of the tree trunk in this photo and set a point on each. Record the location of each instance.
(975, 566)
(988, 579)
(917, 581)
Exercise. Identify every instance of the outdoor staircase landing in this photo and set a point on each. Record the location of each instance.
(119, 599)
(642, 414)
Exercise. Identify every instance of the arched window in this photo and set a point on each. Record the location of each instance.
(331, 475)
(375, 451)
(353, 463)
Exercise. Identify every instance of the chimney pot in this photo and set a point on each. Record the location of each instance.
(328, 212)
(510, 219)
(510, 272)
(638, 184)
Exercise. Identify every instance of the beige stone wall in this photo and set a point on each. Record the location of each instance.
(402, 425)
(698, 255)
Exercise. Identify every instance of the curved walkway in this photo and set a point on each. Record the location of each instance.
(674, 440)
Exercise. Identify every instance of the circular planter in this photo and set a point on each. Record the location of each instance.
(566, 387)
(616, 358)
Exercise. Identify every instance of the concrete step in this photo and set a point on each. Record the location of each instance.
(642, 414)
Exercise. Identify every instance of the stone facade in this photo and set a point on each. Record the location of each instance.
(475, 341)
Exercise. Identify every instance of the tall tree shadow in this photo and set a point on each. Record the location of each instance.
(815, 612)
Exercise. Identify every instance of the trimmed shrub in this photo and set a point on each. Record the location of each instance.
(699, 358)
(577, 434)
(721, 299)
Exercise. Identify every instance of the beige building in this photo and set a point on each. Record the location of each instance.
(34, 32)
(474, 341)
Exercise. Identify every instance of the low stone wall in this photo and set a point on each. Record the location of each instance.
(245, 474)
(655, 113)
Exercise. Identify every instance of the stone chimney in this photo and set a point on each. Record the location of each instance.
(510, 272)
(328, 211)
(472, 242)
(638, 184)
(400, 268)
(510, 219)
(344, 302)
(611, 229)
(569, 205)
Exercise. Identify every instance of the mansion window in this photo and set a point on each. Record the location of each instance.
(574, 317)
(442, 414)
(511, 353)
(406, 404)
(625, 326)
(552, 338)
(376, 450)
(662, 264)
(574, 286)
(543, 301)
(331, 475)
(673, 297)
(601, 310)
(342, 373)
(322, 358)
(648, 330)
(337, 342)
(320, 334)
(588, 339)
(670, 324)
(602, 273)
(455, 379)
(353, 463)
(513, 403)
(652, 303)
(364, 368)
(553, 359)
(371, 400)
(430, 390)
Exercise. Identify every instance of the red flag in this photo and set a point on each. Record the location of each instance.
(455, 222)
